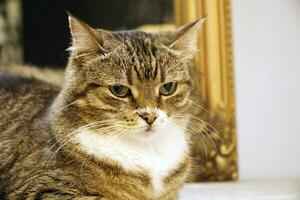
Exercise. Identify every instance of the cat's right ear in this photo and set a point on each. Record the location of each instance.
(86, 38)
(83, 36)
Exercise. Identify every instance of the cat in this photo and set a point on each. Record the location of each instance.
(115, 130)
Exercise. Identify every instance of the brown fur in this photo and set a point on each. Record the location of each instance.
(36, 162)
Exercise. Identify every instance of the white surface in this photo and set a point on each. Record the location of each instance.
(243, 190)
(267, 66)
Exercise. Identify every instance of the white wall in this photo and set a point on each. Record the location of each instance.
(267, 70)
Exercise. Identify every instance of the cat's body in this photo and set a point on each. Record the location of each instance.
(83, 142)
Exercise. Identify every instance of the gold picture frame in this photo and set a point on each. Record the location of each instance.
(215, 63)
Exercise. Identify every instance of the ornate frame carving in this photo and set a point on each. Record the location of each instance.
(215, 63)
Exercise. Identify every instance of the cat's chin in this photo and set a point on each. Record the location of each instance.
(154, 132)
(146, 135)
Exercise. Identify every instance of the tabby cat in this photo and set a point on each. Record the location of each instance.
(115, 130)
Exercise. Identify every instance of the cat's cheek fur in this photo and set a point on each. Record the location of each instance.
(157, 157)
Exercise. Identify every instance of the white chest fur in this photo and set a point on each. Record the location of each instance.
(158, 157)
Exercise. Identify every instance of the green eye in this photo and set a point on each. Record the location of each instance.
(168, 89)
(119, 90)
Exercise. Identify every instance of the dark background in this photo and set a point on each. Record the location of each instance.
(45, 23)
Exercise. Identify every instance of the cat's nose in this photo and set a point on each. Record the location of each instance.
(148, 117)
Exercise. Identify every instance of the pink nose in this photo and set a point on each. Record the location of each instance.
(148, 117)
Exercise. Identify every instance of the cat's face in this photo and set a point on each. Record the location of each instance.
(139, 91)
(130, 84)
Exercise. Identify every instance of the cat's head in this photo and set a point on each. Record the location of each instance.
(129, 83)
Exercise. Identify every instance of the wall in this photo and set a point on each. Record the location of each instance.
(267, 70)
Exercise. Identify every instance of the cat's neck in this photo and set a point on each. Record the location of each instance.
(157, 157)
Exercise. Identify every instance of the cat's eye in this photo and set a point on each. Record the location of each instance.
(168, 89)
(119, 90)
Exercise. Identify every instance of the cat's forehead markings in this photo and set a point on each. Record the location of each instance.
(142, 60)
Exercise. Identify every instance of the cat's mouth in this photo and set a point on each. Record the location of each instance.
(147, 133)
(149, 129)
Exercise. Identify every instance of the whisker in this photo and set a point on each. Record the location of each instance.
(66, 106)
(81, 168)
(53, 155)
(66, 137)
(197, 120)
(196, 127)
(108, 128)
(200, 106)
(64, 144)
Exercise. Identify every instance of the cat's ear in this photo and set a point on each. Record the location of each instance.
(83, 36)
(185, 38)
(86, 38)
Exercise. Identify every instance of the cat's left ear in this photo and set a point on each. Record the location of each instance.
(185, 38)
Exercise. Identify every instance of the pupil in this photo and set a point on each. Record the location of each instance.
(118, 89)
(168, 86)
